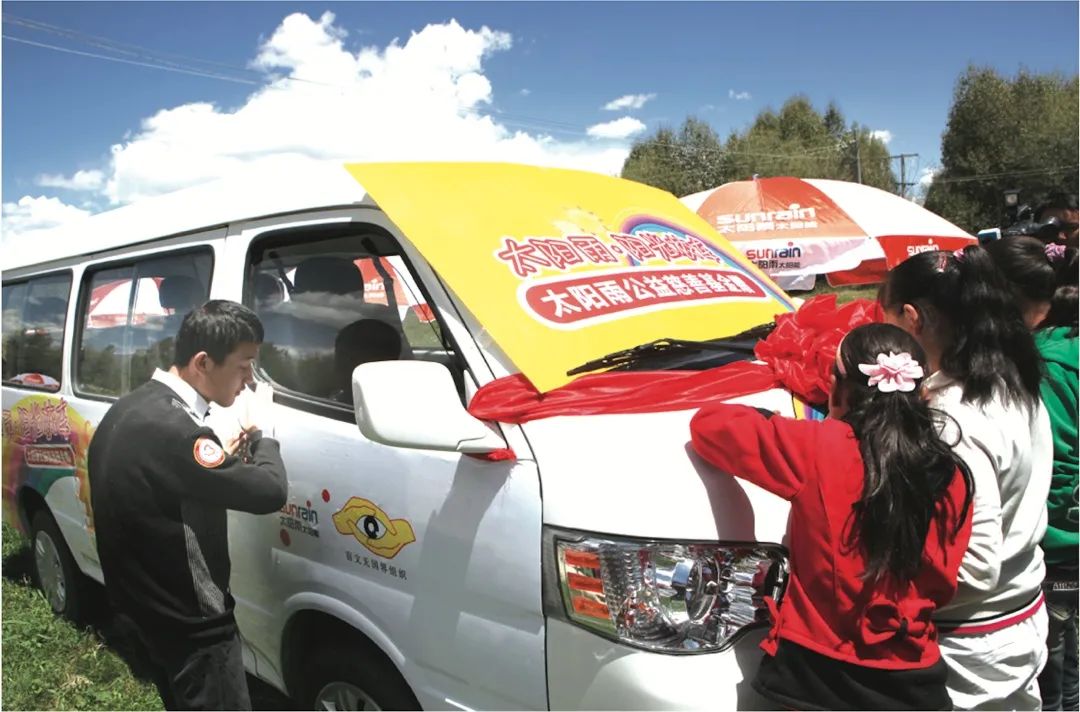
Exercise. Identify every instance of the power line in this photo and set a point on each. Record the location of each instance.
(153, 60)
(1009, 174)
(179, 70)
(508, 119)
(182, 64)
(164, 59)
(686, 150)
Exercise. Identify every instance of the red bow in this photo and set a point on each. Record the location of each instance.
(884, 620)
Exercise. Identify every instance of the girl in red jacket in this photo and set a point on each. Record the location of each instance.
(880, 519)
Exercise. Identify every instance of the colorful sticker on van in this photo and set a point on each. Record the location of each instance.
(561, 267)
(805, 411)
(364, 521)
(45, 440)
(664, 266)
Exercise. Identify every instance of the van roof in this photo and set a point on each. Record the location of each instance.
(245, 195)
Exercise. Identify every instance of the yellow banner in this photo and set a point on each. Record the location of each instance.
(562, 267)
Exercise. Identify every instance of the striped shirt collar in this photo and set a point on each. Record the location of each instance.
(197, 406)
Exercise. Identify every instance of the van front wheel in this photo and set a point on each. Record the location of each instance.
(356, 676)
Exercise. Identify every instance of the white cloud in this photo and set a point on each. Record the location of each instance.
(411, 100)
(82, 180)
(629, 101)
(738, 95)
(883, 135)
(926, 176)
(31, 213)
(525, 92)
(624, 127)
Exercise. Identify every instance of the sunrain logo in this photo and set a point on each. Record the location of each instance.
(794, 218)
(771, 259)
(301, 519)
(916, 249)
(772, 253)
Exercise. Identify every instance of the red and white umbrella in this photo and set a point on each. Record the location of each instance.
(796, 228)
(109, 302)
(406, 293)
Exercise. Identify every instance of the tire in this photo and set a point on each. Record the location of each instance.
(354, 675)
(55, 570)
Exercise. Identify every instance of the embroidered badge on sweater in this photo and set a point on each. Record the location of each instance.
(208, 453)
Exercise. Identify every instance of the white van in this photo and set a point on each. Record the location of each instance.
(425, 558)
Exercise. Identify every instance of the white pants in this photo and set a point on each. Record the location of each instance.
(998, 670)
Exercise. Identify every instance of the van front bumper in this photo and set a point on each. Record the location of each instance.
(587, 671)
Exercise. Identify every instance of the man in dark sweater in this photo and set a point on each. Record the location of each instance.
(160, 482)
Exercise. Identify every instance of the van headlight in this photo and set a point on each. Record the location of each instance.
(664, 596)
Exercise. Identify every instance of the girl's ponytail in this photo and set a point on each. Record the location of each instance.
(993, 344)
(908, 468)
(976, 320)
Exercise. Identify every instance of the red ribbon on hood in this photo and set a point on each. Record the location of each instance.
(797, 355)
(802, 349)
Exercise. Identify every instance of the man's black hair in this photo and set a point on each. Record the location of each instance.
(217, 327)
(1056, 201)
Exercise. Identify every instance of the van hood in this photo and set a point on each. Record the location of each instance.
(561, 267)
(637, 476)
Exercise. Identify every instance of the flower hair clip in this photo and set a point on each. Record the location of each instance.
(1054, 252)
(893, 372)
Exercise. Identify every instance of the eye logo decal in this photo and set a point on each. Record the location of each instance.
(369, 525)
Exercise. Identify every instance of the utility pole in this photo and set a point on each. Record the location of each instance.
(902, 186)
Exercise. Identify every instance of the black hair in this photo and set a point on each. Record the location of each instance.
(1034, 276)
(1064, 305)
(1023, 263)
(217, 327)
(908, 468)
(1056, 201)
(967, 304)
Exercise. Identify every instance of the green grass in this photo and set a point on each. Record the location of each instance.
(843, 294)
(51, 664)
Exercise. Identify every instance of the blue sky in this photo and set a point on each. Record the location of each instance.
(542, 72)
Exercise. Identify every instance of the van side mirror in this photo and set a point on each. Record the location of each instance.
(415, 404)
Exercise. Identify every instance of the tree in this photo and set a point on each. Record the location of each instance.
(1005, 134)
(681, 163)
(796, 141)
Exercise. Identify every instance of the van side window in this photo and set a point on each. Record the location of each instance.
(328, 304)
(35, 313)
(130, 315)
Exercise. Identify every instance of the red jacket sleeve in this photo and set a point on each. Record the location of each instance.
(957, 534)
(774, 453)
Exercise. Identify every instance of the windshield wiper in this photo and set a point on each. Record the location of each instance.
(741, 343)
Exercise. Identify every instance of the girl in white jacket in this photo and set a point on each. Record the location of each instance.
(985, 376)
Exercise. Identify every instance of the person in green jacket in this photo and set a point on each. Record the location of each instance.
(1044, 281)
